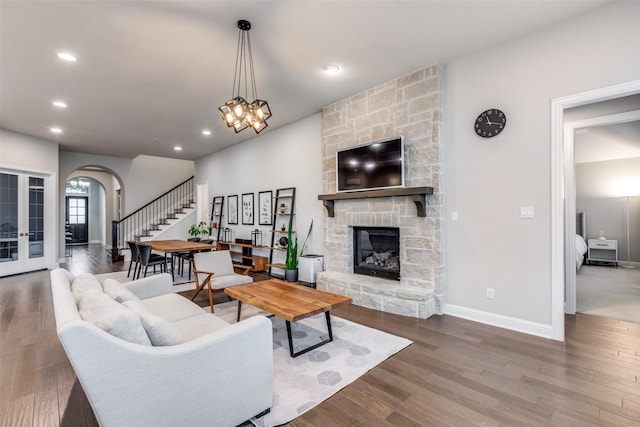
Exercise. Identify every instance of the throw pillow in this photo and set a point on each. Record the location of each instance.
(118, 291)
(84, 284)
(160, 331)
(102, 311)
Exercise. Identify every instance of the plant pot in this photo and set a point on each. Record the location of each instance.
(291, 275)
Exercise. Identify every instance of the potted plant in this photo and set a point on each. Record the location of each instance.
(291, 263)
(198, 230)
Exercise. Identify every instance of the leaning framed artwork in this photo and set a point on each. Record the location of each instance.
(232, 210)
(247, 208)
(265, 211)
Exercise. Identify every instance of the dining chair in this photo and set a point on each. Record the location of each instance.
(148, 259)
(187, 256)
(135, 258)
(216, 271)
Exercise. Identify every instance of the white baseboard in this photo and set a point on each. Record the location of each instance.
(506, 322)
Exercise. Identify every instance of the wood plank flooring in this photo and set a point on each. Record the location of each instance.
(456, 373)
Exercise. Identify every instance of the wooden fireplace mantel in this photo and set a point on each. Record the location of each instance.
(419, 195)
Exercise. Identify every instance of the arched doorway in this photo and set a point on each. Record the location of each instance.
(92, 201)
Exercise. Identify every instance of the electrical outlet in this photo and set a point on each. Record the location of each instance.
(491, 293)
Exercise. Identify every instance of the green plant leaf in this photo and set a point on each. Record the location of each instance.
(293, 255)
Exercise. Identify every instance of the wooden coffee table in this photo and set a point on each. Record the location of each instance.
(290, 302)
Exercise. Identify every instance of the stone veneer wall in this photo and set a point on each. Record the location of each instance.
(409, 106)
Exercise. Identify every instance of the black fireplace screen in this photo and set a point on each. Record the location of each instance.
(376, 252)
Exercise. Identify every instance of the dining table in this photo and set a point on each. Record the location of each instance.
(169, 247)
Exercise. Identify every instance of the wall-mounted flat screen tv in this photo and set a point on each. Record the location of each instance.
(371, 166)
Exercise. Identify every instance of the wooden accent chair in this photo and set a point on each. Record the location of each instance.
(215, 270)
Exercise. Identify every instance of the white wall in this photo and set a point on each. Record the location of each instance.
(287, 157)
(488, 180)
(24, 152)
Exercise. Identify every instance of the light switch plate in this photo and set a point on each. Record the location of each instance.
(527, 212)
(454, 216)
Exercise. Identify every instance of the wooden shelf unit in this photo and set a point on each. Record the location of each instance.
(286, 196)
(258, 263)
(217, 208)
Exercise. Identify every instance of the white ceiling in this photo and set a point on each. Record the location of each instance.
(151, 74)
(610, 142)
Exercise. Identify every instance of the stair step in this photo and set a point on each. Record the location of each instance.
(179, 211)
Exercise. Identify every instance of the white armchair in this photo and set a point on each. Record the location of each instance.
(215, 270)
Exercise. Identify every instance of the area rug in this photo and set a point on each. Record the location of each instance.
(305, 381)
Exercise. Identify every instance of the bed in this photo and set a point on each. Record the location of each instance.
(581, 239)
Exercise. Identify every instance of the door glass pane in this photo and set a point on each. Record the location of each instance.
(8, 217)
(36, 217)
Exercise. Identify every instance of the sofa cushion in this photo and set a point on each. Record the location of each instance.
(172, 307)
(118, 291)
(102, 311)
(160, 331)
(200, 325)
(84, 284)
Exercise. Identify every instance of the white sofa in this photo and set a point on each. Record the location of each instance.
(207, 373)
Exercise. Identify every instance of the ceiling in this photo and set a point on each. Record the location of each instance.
(151, 74)
(609, 142)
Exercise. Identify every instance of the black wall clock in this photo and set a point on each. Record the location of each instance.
(490, 123)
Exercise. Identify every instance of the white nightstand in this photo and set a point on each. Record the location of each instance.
(602, 251)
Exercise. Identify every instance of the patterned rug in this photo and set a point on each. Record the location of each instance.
(305, 381)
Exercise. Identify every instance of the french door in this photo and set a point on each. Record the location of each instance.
(22, 222)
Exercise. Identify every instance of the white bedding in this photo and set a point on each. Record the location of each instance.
(581, 249)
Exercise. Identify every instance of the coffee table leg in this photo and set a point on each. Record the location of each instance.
(290, 337)
(239, 310)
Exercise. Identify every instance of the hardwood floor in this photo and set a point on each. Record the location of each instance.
(456, 373)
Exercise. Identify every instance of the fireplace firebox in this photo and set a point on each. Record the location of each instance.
(376, 252)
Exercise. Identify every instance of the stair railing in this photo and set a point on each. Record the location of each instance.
(151, 216)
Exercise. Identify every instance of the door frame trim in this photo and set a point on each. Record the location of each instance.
(560, 186)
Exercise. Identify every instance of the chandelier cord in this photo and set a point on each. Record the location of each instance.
(236, 74)
(254, 91)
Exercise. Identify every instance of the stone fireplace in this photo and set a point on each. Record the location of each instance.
(409, 106)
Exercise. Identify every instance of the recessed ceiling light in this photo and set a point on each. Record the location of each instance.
(206, 132)
(331, 68)
(56, 130)
(59, 104)
(177, 148)
(66, 56)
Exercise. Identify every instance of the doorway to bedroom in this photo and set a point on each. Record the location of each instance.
(606, 142)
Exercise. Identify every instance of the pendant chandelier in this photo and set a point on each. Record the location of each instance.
(237, 112)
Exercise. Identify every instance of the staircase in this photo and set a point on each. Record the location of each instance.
(152, 217)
